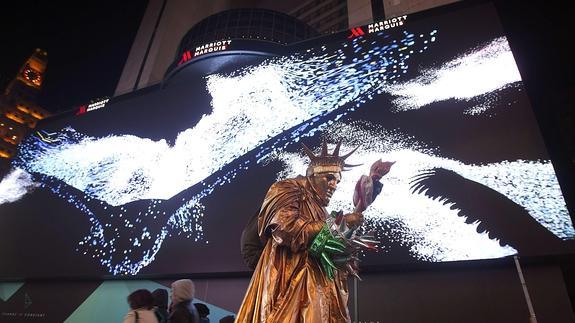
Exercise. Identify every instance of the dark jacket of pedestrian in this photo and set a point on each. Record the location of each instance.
(182, 310)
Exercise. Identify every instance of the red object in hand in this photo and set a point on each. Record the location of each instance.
(363, 194)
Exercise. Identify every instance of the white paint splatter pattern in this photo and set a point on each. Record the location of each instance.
(256, 109)
(250, 107)
(436, 230)
(15, 185)
(480, 71)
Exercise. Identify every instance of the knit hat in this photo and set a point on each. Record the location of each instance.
(182, 290)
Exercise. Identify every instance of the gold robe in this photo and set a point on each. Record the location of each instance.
(288, 284)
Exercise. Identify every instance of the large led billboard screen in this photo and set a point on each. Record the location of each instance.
(164, 181)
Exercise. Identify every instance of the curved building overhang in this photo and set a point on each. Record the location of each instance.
(215, 58)
(238, 33)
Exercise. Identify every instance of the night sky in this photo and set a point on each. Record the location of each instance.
(87, 43)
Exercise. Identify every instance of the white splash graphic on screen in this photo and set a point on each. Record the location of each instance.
(14, 185)
(481, 71)
(434, 228)
(124, 182)
(249, 107)
(260, 109)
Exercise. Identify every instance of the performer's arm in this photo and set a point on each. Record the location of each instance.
(290, 227)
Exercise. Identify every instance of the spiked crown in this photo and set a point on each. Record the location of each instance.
(325, 162)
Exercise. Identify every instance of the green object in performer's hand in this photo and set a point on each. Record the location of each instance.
(323, 247)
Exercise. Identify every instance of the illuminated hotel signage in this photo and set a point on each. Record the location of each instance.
(386, 24)
(92, 106)
(212, 47)
(377, 26)
(97, 105)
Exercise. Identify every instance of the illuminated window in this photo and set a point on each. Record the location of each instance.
(36, 115)
(23, 108)
(14, 117)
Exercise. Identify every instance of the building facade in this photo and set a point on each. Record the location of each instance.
(166, 23)
(18, 109)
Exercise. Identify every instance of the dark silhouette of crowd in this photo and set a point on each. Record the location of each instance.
(154, 307)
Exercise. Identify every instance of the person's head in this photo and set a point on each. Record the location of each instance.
(142, 298)
(379, 169)
(203, 309)
(160, 296)
(182, 290)
(325, 184)
(324, 170)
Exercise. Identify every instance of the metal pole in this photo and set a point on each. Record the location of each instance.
(355, 301)
(532, 317)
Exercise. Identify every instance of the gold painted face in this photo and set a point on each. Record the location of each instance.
(325, 185)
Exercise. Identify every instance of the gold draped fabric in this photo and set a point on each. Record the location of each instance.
(288, 284)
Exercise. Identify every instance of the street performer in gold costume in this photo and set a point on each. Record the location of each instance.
(293, 280)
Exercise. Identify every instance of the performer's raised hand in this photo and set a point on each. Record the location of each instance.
(354, 220)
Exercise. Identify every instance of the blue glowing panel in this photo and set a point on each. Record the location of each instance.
(164, 182)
